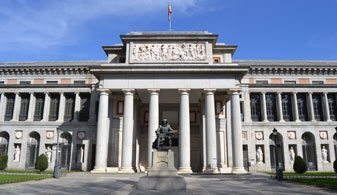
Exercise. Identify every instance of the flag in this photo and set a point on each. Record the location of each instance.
(169, 11)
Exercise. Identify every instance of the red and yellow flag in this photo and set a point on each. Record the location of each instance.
(169, 11)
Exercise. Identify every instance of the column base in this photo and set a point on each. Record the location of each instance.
(298, 121)
(126, 170)
(185, 170)
(98, 170)
(239, 170)
(211, 170)
(225, 170)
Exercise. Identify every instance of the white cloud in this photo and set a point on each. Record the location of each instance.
(39, 23)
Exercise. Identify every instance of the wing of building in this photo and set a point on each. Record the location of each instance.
(225, 110)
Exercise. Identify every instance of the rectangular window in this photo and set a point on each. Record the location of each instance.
(54, 107)
(25, 82)
(24, 107)
(2, 82)
(69, 107)
(52, 82)
(255, 107)
(9, 106)
(286, 107)
(262, 82)
(271, 107)
(84, 107)
(79, 82)
(39, 105)
(317, 82)
(290, 82)
(332, 106)
(317, 104)
(302, 107)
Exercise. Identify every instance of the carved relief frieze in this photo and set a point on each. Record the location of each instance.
(168, 52)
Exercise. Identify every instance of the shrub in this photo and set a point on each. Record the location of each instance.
(335, 165)
(41, 163)
(299, 165)
(3, 161)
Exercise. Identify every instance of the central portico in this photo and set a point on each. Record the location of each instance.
(173, 75)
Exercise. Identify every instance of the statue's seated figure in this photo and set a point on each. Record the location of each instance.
(163, 140)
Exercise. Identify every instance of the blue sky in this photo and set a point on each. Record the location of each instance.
(49, 30)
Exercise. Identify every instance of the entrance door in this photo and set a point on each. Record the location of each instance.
(245, 157)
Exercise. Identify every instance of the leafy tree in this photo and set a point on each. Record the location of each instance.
(3, 161)
(41, 163)
(299, 165)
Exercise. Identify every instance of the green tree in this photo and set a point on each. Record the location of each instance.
(41, 163)
(3, 161)
(299, 165)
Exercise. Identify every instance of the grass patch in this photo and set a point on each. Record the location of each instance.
(20, 178)
(306, 174)
(32, 171)
(319, 182)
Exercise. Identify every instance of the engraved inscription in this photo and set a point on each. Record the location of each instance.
(168, 52)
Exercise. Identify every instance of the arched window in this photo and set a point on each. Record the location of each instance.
(32, 149)
(309, 150)
(65, 150)
(4, 139)
(280, 153)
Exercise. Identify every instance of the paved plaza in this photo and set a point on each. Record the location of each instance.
(86, 183)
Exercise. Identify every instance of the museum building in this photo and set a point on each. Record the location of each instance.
(106, 112)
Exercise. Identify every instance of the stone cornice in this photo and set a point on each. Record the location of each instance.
(292, 70)
(43, 70)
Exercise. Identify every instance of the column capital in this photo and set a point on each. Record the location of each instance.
(310, 92)
(279, 93)
(263, 92)
(61, 92)
(102, 90)
(325, 93)
(31, 93)
(207, 91)
(16, 93)
(128, 91)
(153, 91)
(184, 91)
(234, 91)
(46, 93)
(77, 92)
(294, 92)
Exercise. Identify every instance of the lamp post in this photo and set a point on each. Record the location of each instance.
(279, 173)
(56, 167)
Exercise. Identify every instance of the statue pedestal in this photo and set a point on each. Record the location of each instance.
(163, 174)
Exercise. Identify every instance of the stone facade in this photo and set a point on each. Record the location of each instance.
(224, 109)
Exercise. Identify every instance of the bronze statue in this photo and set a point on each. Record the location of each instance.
(163, 140)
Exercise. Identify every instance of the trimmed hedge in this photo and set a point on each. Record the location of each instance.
(335, 165)
(299, 165)
(41, 163)
(3, 161)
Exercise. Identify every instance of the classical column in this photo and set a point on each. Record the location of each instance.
(237, 134)
(210, 132)
(46, 107)
(31, 109)
(77, 106)
(127, 132)
(326, 107)
(311, 107)
(60, 117)
(264, 107)
(246, 107)
(203, 129)
(153, 122)
(102, 132)
(279, 107)
(3, 101)
(295, 107)
(92, 111)
(184, 132)
(17, 105)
